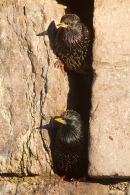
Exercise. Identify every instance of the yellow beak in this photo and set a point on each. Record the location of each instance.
(60, 120)
(62, 24)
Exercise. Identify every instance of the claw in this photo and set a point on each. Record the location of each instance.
(77, 181)
(60, 63)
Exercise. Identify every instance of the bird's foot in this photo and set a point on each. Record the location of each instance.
(62, 178)
(60, 64)
(76, 181)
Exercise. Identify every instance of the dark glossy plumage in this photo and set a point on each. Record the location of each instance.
(69, 145)
(72, 43)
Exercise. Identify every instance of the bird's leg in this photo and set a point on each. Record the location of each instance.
(78, 180)
(60, 63)
(62, 178)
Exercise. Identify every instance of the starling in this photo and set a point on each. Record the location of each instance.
(72, 44)
(69, 144)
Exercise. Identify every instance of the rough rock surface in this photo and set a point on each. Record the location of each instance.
(50, 185)
(33, 90)
(30, 85)
(110, 114)
(37, 186)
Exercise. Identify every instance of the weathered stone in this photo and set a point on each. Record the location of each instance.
(39, 187)
(7, 188)
(69, 189)
(118, 188)
(31, 88)
(48, 186)
(111, 22)
(128, 189)
(110, 114)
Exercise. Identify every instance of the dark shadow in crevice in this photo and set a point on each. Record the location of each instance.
(79, 99)
(79, 96)
(83, 8)
(18, 175)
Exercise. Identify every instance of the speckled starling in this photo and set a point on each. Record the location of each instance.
(72, 44)
(69, 144)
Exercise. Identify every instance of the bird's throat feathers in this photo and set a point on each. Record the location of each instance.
(71, 37)
(69, 134)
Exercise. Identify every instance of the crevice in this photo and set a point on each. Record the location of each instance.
(24, 10)
(26, 159)
(45, 143)
(79, 97)
(26, 156)
(83, 8)
(47, 49)
(46, 147)
(80, 86)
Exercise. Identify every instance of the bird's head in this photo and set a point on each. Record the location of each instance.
(71, 127)
(69, 117)
(71, 23)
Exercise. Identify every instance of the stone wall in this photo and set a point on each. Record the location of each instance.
(31, 89)
(110, 114)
